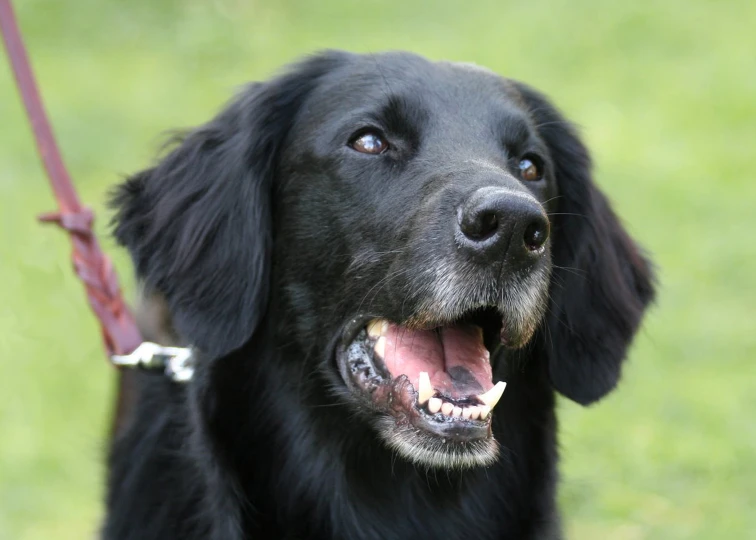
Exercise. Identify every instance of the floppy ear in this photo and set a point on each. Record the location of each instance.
(198, 225)
(601, 282)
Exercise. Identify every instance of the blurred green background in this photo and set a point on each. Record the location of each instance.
(665, 93)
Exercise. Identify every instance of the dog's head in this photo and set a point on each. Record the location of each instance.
(401, 223)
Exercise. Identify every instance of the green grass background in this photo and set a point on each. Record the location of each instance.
(665, 93)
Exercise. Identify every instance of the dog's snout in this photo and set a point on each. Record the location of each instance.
(496, 223)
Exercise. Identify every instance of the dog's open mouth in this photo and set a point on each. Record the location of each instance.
(432, 388)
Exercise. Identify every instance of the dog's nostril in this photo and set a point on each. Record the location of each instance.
(488, 223)
(479, 224)
(536, 235)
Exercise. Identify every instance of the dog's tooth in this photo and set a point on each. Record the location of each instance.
(491, 398)
(424, 388)
(380, 346)
(484, 410)
(457, 411)
(474, 412)
(447, 408)
(377, 327)
(434, 405)
(466, 413)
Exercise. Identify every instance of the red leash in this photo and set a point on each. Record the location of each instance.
(91, 265)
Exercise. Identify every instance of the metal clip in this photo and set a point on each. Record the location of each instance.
(176, 362)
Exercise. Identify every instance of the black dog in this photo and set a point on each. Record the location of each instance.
(358, 250)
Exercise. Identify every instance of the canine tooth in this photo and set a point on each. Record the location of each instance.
(484, 410)
(474, 413)
(434, 405)
(447, 408)
(491, 398)
(466, 413)
(377, 327)
(374, 328)
(457, 411)
(380, 346)
(424, 388)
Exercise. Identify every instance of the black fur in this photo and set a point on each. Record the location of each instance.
(264, 234)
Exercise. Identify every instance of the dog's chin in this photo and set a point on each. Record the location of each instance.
(425, 449)
(429, 390)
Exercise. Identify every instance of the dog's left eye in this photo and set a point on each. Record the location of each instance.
(369, 142)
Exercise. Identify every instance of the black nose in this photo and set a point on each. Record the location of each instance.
(497, 223)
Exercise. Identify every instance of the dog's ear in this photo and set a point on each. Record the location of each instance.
(198, 225)
(601, 282)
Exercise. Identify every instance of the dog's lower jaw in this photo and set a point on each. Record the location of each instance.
(430, 452)
(443, 447)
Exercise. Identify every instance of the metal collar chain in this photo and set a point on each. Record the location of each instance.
(176, 362)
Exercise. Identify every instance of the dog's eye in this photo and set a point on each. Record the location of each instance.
(369, 142)
(530, 169)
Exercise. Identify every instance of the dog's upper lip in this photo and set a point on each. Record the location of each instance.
(354, 327)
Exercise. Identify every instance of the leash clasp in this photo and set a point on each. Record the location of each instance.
(176, 362)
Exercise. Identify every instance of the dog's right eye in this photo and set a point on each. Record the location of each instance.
(531, 168)
(369, 142)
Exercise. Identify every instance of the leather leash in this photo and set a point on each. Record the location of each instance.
(119, 329)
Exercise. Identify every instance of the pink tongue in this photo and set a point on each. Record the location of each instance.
(456, 359)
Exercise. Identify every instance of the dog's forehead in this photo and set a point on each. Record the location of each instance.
(369, 80)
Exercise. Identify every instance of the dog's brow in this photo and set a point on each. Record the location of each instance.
(514, 128)
(402, 115)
